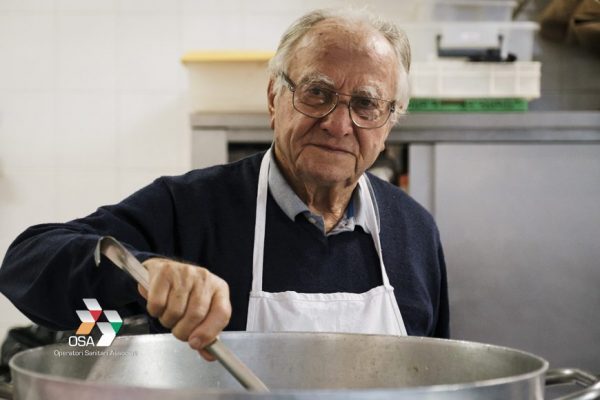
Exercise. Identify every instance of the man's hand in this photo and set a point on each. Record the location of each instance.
(189, 300)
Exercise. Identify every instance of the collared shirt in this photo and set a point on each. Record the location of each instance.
(292, 205)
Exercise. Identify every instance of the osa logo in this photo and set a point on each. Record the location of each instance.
(89, 319)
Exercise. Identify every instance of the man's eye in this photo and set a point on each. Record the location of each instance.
(315, 96)
(365, 103)
(317, 91)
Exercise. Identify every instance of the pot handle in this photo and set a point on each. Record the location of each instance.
(6, 391)
(571, 375)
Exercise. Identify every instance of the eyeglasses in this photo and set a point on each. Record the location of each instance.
(317, 101)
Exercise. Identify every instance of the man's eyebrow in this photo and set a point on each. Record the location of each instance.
(316, 77)
(367, 91)
(371, 90)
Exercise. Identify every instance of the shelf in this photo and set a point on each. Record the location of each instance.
(226, 56)
(554, 126)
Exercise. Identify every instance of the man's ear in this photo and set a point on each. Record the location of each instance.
(271, 101)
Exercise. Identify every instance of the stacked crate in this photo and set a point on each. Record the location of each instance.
(470, 56)
(441, 33)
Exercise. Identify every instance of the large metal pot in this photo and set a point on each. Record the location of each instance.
(294, 366)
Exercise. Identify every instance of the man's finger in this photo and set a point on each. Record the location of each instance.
(197, 309)
(176, 306)
(158, 294)
(216, 320)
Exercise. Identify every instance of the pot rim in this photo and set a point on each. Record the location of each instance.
(149, 338)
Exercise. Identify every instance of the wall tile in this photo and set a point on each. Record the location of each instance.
(262, 32)
(27, 197)
(130, 180)
(148, 54)
(200, 32)
(27, 129)
(191, 7)
(81, 191)
(275, 6)
(86, 127)
(375, 6)
(37, 6)
(86, 52)
(87, 6)
(163, 7)
(27, 49)
(153, 131)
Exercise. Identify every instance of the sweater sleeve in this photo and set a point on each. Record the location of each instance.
(442, 327)
(49, 268)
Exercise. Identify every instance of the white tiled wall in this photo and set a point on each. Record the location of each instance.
(93, 98)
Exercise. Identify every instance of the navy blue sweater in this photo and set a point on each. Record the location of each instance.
(206, 217)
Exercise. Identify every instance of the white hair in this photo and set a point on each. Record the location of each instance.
(395, 36)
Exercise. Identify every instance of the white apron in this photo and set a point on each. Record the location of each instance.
(375, 311)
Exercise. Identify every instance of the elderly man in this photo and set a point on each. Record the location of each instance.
(299, 238)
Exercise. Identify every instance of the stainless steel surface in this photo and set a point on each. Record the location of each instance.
(571, 126)
(235, 367)
(583, 378)
(121, 257)
(294, 365)
(570, 375)
(520, 226)
(591, 393)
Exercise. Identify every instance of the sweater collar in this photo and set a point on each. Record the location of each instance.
(292, 205)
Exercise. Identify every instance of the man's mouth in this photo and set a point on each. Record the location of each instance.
(330, 148)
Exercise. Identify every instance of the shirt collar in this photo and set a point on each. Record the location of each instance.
(292, 205)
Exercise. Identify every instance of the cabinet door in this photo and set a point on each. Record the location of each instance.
(520, 225)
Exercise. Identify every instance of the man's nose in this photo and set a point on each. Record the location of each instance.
(338, 122)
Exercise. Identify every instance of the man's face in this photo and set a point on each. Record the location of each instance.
(332, 150)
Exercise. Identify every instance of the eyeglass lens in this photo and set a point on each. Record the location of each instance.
(317, 101)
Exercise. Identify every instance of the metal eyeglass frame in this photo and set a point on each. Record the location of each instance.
(292, 87)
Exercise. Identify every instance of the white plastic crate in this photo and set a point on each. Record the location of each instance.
(468, 80)
(516, 37)
(473, 10)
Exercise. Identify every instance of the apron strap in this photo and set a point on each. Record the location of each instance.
(372, 223)
(259, 225)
